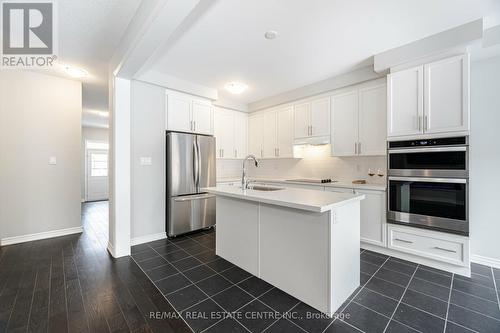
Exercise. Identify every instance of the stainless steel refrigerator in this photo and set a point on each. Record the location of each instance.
(190, 167)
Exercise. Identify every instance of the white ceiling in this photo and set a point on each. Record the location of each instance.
(89, 32)
(317, 39)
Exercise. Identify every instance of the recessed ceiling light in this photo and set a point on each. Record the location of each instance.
(271, 34)
(235, 87)
(76, 72)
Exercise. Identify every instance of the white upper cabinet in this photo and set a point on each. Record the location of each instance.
(358, 121)
(312, 121)
(345, 124)
(270, 133)
(230, 130)
(302, 120)
(446, 97)
(224, 132)
(178, 113)
(256, 134)
(285, 132)
(320, 117)
(202, 117)
(405, 102)
(372, 120)
(240, 134)
(270, 136)
(186, 113)
(429, 99)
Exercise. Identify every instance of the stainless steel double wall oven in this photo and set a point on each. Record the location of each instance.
(428, 184)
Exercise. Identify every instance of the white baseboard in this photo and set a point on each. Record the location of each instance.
(40, 235)
(111, 250)
(485, 261)
(147, 238)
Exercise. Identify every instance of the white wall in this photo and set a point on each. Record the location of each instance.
(485, 159)
(147, 140)
(92, 134)
(40, 116)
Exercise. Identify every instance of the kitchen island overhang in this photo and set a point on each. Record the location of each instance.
(304, 242)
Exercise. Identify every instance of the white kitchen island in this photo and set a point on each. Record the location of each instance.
(304, 242)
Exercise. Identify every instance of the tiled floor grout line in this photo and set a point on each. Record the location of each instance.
(173, 307)
(405, 325)
(469, 329)
(350, 325)
(210, 297)
(475, 311)
(473, 296)
(496, 287)
(401, 298)
(360, 289)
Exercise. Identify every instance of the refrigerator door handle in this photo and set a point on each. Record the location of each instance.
(198, 169)
(195, 164)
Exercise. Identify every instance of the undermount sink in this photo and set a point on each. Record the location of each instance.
(264, 188)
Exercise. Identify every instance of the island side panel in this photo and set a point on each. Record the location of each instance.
(294, 253)
(345, 245)
(237, 237)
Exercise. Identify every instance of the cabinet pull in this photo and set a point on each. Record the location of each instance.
(222, 152)
(419, 122)
(443, 249)
(425, 124)
(194, 125)
(236, 153)
(359, 148)
(403, 240)
(278, 152)
(261, 153)
(311, 130)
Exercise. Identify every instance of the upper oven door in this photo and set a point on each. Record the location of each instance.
(443, 162)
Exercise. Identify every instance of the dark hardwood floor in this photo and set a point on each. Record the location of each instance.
(72, 284)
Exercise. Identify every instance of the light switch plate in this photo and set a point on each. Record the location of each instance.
(52, 160)
(146, 160)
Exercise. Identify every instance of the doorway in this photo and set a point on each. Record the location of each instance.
(96, 171)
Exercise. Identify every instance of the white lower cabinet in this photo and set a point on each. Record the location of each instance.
(443, 247)
(373, 216)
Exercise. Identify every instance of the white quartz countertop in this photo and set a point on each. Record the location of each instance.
(342, 184)
(304, 199)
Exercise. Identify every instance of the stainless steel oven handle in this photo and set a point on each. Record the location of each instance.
(430, 180)
(427, 150)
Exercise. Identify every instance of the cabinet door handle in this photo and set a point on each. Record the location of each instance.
(261, 153)
(222, 152)
(443, 249)
(359, 148)
(403, 240)
(236, 153)
(278, 152)
(425, 124)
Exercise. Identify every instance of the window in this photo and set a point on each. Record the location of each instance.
(97, 145)
(98, 165)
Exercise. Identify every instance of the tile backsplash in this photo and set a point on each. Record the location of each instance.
(314, 164)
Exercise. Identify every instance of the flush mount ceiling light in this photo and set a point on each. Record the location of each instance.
(235, 87)
(76, 72)
(271, 34)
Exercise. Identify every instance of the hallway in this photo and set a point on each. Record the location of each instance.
(72, 284)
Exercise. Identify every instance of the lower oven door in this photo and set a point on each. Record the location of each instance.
(434, 203)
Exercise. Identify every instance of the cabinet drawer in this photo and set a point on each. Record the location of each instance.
(430, 244)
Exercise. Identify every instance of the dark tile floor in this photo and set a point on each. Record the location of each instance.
(72, 284)
(213, 295)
